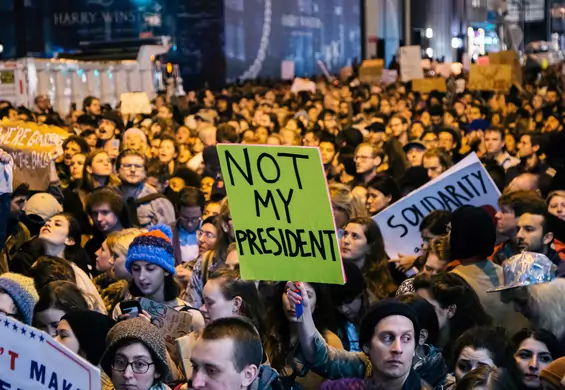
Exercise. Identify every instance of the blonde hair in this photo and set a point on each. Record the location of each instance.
(548, 306)
(553, 194)
(343, 199)
(119, 242)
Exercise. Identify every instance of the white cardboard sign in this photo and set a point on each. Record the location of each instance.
(466, 183)
(135, 103)
(410, 63)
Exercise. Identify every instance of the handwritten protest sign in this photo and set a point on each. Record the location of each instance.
(172, 324)
(30, 359)
(508, 57)
(135, 103)
(31, 146)
(371, 70)
(467, 183)
(410, 66)
(490, 78)
(281, 213)
(428, 85)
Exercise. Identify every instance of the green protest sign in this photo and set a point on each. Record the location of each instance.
(281, 213)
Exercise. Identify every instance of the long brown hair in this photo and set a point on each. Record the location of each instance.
(379, 281)
(87, 184)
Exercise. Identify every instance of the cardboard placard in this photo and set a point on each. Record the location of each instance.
(496, 78)
(172, 324)
(389, 76)
(135, 103)
(34, 360)
(300, 85)
(443, 69)
(511, 58)
(466, 183)
(282, 216)
(31, 146)
(428, 85)
(287, 70)
(410, 63)
(371, 71)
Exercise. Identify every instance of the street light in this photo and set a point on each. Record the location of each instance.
(429, 33)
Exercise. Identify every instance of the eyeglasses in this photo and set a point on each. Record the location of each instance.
(191, 219)
(362, 158)
(208, 235)
(137, 366)
(137, 167)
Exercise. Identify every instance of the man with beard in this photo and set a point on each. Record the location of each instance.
(91, 106)
(535, 235)
(512, 206)
(71, 146)
(552, 123)
(111, 125)
(146, 206)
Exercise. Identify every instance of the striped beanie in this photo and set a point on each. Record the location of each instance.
(22, 291)
(154, 247)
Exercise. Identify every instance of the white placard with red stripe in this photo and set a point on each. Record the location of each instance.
(30, 359)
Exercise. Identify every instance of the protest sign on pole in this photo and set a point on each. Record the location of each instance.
(31, 146)
(466, 183)
(428, 85)
(34, 360)
(496, 78)
(172, 324)
(410, 63)
(135, 103)
(281, 213)
(371, 71)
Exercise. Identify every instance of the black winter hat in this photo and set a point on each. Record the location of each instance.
(472, 233)
(90, 329)
(113, 116)
(381, 310)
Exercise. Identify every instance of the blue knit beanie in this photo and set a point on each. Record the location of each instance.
(22, 291)
(154, 247)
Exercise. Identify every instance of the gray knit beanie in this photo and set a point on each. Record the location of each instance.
(136, 329)
(22, 291)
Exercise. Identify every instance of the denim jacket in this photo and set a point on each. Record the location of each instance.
(332, 363)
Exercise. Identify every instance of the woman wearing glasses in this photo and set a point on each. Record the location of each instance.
(136, 356)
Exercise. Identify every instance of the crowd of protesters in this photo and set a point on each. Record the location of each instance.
(136, 208)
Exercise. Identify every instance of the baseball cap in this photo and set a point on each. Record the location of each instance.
(43, 205)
